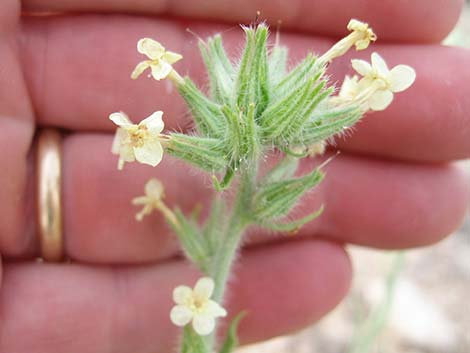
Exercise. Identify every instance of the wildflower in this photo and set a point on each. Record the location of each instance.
(378, 84)
(154, 193)
(160, 60)
(361, 35)
(350, 88)
(195, 305)
(140, 142)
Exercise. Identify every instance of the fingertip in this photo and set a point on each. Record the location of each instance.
(291, 285)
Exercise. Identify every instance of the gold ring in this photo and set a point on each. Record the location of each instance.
(49, 195)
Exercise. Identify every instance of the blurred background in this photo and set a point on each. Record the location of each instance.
(411, 302)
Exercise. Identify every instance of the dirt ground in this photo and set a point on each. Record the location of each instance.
(429, 311)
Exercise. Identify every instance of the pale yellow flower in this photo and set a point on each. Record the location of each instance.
(195, 305)
(379, 83)
(160, 60)
(363, 32)
(361, 35)
(154, 193)
(140, 142)
(350, 88)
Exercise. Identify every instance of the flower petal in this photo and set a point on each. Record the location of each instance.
(362, 67)
(140, 200)
(150, 153)
(402, 77)
(153, 49)
(203, 324)
(154, 123)
(181, 315)
(140, 68)
(349, 88)
(119, 137)
(154, 189)
(379, 64)
(362, 44)
(213, 309)
(171, 57)
(182, 294)
(126, 153)
(380, 100)
(160, 70)
(204, 288)
(120, 119)
(356, 25)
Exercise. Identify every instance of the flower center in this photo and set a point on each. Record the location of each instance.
(138, 136)
(197, 304)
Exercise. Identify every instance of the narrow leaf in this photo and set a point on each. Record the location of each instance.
(294, 226)
(205, 153)
(231, 340)
(205, 112)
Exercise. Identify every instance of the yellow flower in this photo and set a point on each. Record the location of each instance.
(195, 305)
(364, 34)
(350, 88)
(154, 193)
(379, 83)
(160, 60)
(138, 142)
(361, 35)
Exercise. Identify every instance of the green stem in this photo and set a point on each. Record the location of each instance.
(225, 256)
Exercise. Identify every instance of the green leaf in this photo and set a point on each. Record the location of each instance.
(243, 79)
(205, 112)
(221, 71)
(298, 76)
(284, 169)
(298, 122)
(294, 226)
(321, 129)
(280, 114)
(275, 200)
(231, 340)
(293, 123)
(277, 64)
(234, 133)
(226, 181)
(191, 239)
(251, 140)
(205, 153)
(251, 84)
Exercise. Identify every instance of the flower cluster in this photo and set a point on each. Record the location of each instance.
(252, 108)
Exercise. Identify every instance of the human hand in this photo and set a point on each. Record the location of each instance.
(72, 71)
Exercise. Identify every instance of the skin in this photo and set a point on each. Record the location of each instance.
(403, 187)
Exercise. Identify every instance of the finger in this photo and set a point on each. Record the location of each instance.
(16, 131)
(415, 127)
(79, 309)
(419, 20)
(370, 202)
